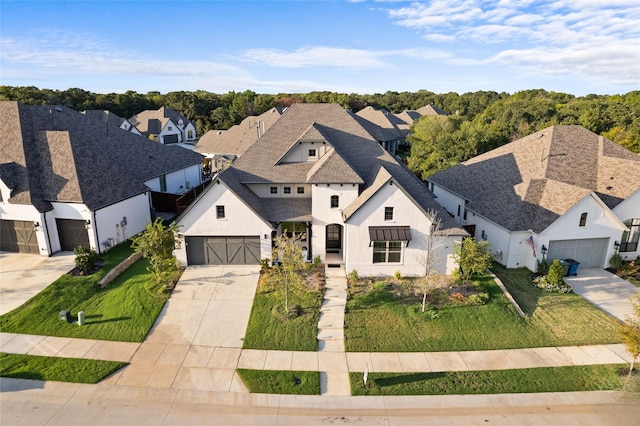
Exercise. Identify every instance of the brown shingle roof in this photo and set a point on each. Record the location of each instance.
(238, 138)
(57, 154)
(354, 157)
(529, 183)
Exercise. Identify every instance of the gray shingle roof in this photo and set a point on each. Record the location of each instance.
(354, 157)
(152, 121)
(238, 138)
(52, 153)
(529, 183)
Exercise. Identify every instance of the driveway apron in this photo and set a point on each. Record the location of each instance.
(607, 291)
(197, 339)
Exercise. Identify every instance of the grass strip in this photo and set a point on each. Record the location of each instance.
(281, 382)
(125, 310)
(74, 370)
(531, 380)
(267, 330)
(378, 321)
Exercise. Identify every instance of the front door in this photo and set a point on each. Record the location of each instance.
(334, 238)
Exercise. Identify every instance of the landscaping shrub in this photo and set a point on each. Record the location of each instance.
(86, 259)
(555, 274)
(616, 261)
(353, 276)
(542, 267)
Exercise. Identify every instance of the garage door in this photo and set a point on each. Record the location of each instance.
(18, 236)
(223, 250)
(589, 252)
(72, 233)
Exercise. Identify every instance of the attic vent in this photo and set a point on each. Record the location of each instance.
(59, 109)
(541, 135)
(609, 188)
(219, 132)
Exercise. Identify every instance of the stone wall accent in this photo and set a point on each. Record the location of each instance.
(506, 293)
(120, 268)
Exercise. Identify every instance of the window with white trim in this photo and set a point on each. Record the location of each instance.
(286, 190)
(583, 219)
(388, 213)
(220, 212)
(273, 190)
(387, 251)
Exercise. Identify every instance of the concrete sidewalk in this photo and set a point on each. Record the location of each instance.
(607, 291)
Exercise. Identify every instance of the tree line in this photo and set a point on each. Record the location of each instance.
(478, 121)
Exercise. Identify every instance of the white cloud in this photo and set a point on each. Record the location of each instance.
(317, 56)
(595, 39)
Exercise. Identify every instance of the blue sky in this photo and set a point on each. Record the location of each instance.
(365, 47)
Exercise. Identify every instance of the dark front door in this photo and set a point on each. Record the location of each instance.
(72, 233)
(334, 238)
(18, 236)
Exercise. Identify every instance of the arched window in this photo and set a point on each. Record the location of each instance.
(190, 134)
(583, 219)
(629, 241)
(335, 201)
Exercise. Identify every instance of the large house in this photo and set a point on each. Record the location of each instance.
(561, 193)
(67, 179)
(317, 173)
(110, 119)
(167, 126)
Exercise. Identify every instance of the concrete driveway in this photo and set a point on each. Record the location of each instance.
(22, 276)
(196, 341)
(607, 291)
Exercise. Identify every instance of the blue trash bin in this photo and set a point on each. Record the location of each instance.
(573, 267)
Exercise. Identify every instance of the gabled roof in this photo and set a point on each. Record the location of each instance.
(380, 124)
(238, 138)
(153, 121)
(53, 153)
(353, 157)
(529, 183)
(106, 117)
(430, 110)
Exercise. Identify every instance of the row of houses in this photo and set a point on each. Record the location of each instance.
(324, 173)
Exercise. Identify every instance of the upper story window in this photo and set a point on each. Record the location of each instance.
(220, 212)
(170, 128)
(312, 153)
(631, 237)
(286, 190)
(190, 134)
(273, 189)
(388, 213)
(583, 219)
(301, 190)
(335, 201)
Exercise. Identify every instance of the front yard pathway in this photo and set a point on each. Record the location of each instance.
(332, 362)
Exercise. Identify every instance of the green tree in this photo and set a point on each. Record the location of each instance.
(156, 244)
(473, 257)
(629, 331)
(291, 263)
(555, 274)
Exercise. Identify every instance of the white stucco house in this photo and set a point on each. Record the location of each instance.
(317, 172)
(167, 126)
(561, 193)
(67, 180)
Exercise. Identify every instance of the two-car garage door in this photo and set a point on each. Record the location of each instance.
(589, 252)
(223, 250)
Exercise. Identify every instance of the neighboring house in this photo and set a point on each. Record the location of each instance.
(563, 192)
(69, 180)
(109, 118)
(317, 173)
(166, 126)
(222, 147)
(383, 127)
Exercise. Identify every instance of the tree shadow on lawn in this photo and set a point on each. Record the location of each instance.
(407, 378)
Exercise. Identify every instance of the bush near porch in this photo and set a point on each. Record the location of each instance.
(381, 319)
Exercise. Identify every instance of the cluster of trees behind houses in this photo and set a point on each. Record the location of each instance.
(477, 122)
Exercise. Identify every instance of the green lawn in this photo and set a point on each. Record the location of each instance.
(56, 369)
(532, 380)
(124, 311)
(267, 331)
(378, 321)
(281, 382)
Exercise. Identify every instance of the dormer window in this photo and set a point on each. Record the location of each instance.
(583, 219)
(312, 153)
(273, 190)
(170, 128)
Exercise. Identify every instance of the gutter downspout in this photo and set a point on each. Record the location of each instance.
(95, 226)
(46, 231)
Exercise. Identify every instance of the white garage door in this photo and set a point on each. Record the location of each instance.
(589, 252)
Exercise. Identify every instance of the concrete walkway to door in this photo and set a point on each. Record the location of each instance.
(605, 290)
(23, 275)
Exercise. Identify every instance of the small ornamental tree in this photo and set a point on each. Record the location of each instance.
(434, 242)
(156, 244)
(555, 274)
(291, 263)
(630, 333)
(473, 257)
